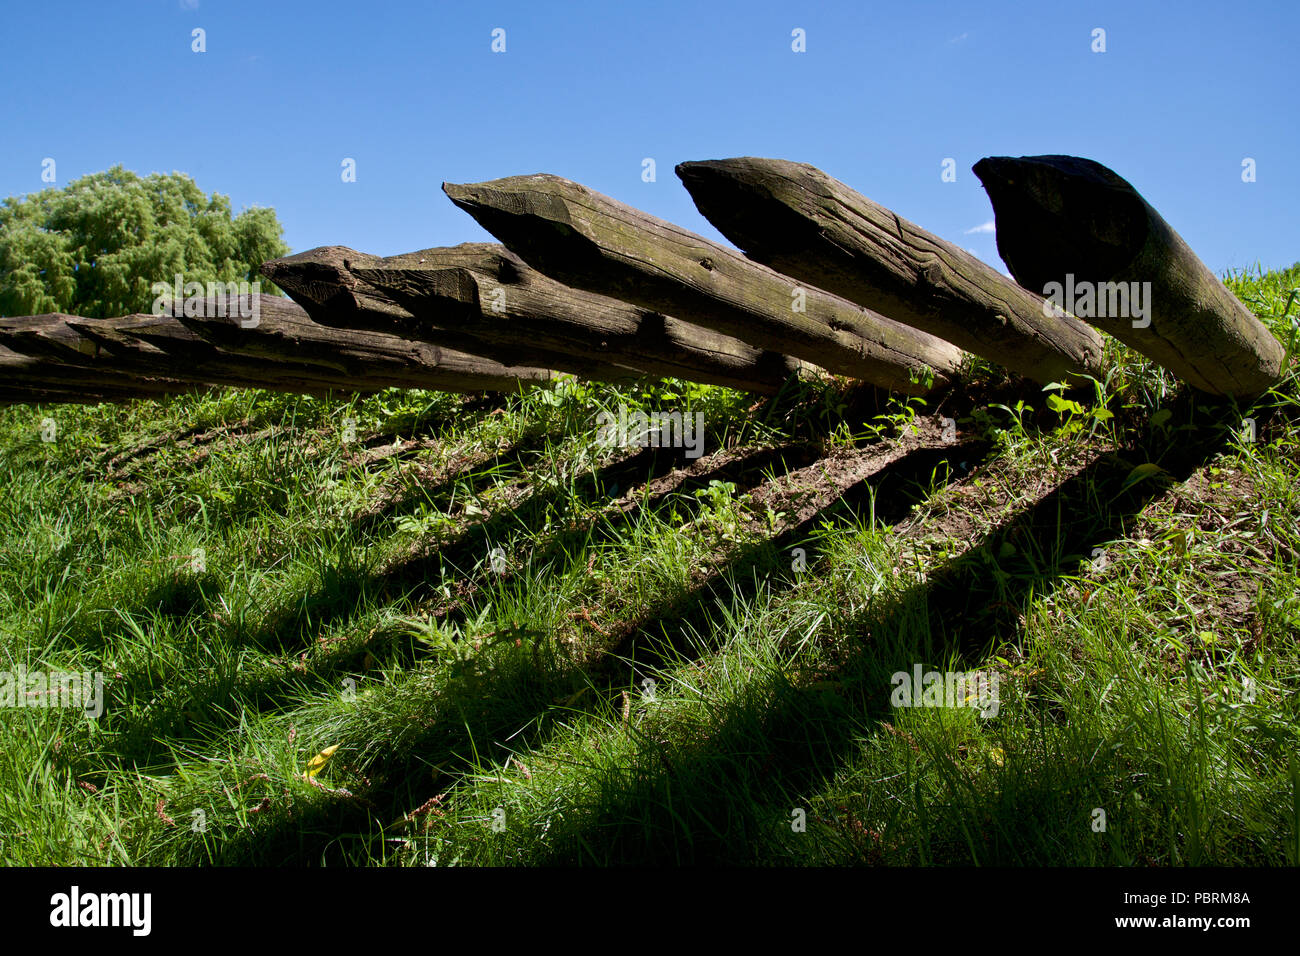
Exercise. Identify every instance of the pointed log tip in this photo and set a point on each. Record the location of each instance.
(314, 275)
(317, 256)
(999, 173)
(272, 269)
(1003, 171)
(991, 167)
(506, 184)
(692, 170)
(712, 170)
(702, 177)
(460, 193)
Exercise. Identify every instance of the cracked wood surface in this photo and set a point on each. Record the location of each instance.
(321, 281)
(488, 290)
(592, 242)
(139, 356)
(802, 222)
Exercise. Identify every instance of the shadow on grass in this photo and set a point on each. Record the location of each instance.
(728, 799)
(202, 706)
(478, 716)
(708, 802)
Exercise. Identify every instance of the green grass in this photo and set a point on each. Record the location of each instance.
(530, 649)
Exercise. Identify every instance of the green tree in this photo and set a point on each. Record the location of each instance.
(97, 247)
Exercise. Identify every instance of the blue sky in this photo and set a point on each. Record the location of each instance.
(884, 93)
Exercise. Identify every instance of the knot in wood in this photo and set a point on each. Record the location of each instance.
(707, 263)
(930, 274)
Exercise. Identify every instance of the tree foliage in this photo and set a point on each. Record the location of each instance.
(96, 247)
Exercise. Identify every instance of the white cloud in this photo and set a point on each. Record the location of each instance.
(959, 38)
(188, 4)
(988, 227)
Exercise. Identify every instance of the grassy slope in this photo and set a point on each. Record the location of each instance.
(530, 649)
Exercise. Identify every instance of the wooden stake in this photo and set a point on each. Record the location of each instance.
(1076, 230)
(802, 222)
(589, 241)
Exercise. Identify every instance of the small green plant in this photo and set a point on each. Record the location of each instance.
(404, 411)
(425, 523)
(1070, 409)
(718, 493)
(722, 512)
(925, 377)
(900, 419)
(774, 519)
(459, 647)
(1076, 417)
(1016, 427)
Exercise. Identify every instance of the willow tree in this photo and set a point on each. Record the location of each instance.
(97, 246)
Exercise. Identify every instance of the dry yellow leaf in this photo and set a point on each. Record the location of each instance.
(318, 762)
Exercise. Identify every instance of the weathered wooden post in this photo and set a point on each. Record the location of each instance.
(804, 223)
(592, 242)
(27, 379)
(1082, 234)
(144, 355)
(487, 290)
(320, 281)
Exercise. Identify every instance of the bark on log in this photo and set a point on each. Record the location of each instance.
(589, 241)
(1067, 220)
(319, 281)
(34, 372)
(285, 351)
(286, 331)
(45, 396)
(799, 221)
(487, 290)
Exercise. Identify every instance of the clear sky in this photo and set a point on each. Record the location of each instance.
(885, 91)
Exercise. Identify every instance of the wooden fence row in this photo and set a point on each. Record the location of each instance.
(826, 280)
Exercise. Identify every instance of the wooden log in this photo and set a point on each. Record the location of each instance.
(49, 368)
(285, 351)
(1075, 223)
(489, 291)
(132, 341)
(286, 331)
(804, 223)
(589, 241)
(320, 282)
(45, 396)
